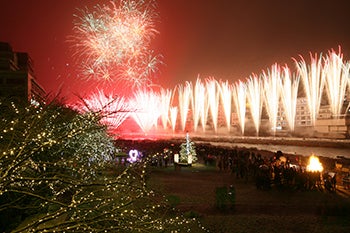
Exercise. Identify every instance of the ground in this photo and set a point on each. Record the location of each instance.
(193, 191)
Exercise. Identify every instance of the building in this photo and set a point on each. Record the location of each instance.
(326, 125)
(302, 118)
(17, 79)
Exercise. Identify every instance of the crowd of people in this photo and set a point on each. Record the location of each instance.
(275, 170)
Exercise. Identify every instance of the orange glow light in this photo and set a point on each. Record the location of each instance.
(314, 164)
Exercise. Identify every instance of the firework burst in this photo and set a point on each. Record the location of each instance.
(185, 97)
(199, 106)
(255, 99)
(147, 105)
(226, 98)
(112, 109)
(271, 81)
(112, 41)
(173, 117)
(165, 100)
(289, 94)
(239, 96)
(337, 76)
(213, 100)
(313, 79)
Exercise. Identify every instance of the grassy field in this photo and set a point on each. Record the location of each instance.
(193, 190)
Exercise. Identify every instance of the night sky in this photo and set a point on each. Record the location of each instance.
(226, 39)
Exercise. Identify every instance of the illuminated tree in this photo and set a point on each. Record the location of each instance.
(57, 174)
(188, 152)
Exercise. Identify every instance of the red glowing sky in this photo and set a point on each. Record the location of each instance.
(222, 38)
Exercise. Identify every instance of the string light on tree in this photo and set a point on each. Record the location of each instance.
(188, 154)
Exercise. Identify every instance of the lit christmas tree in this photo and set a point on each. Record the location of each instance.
(188, 151)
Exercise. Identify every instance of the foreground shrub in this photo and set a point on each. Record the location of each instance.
(52, 177)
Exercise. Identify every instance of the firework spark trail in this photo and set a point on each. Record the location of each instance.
(226, 98)
(198, 104)
(347, 70)
(289, 94)
(112, 41)
(255, 100)
(205, 111)
(239, 97)
(112, 109)
(313, 79)
(139, 75)
(146, 114)
(347, 65)
(165, 98)
(337, 76)
(184, 95)
(213, 100)
(173, 117)
(271, 81)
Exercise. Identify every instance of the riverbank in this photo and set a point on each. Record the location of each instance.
(331, 148)
(214, 137)
(285, 141)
